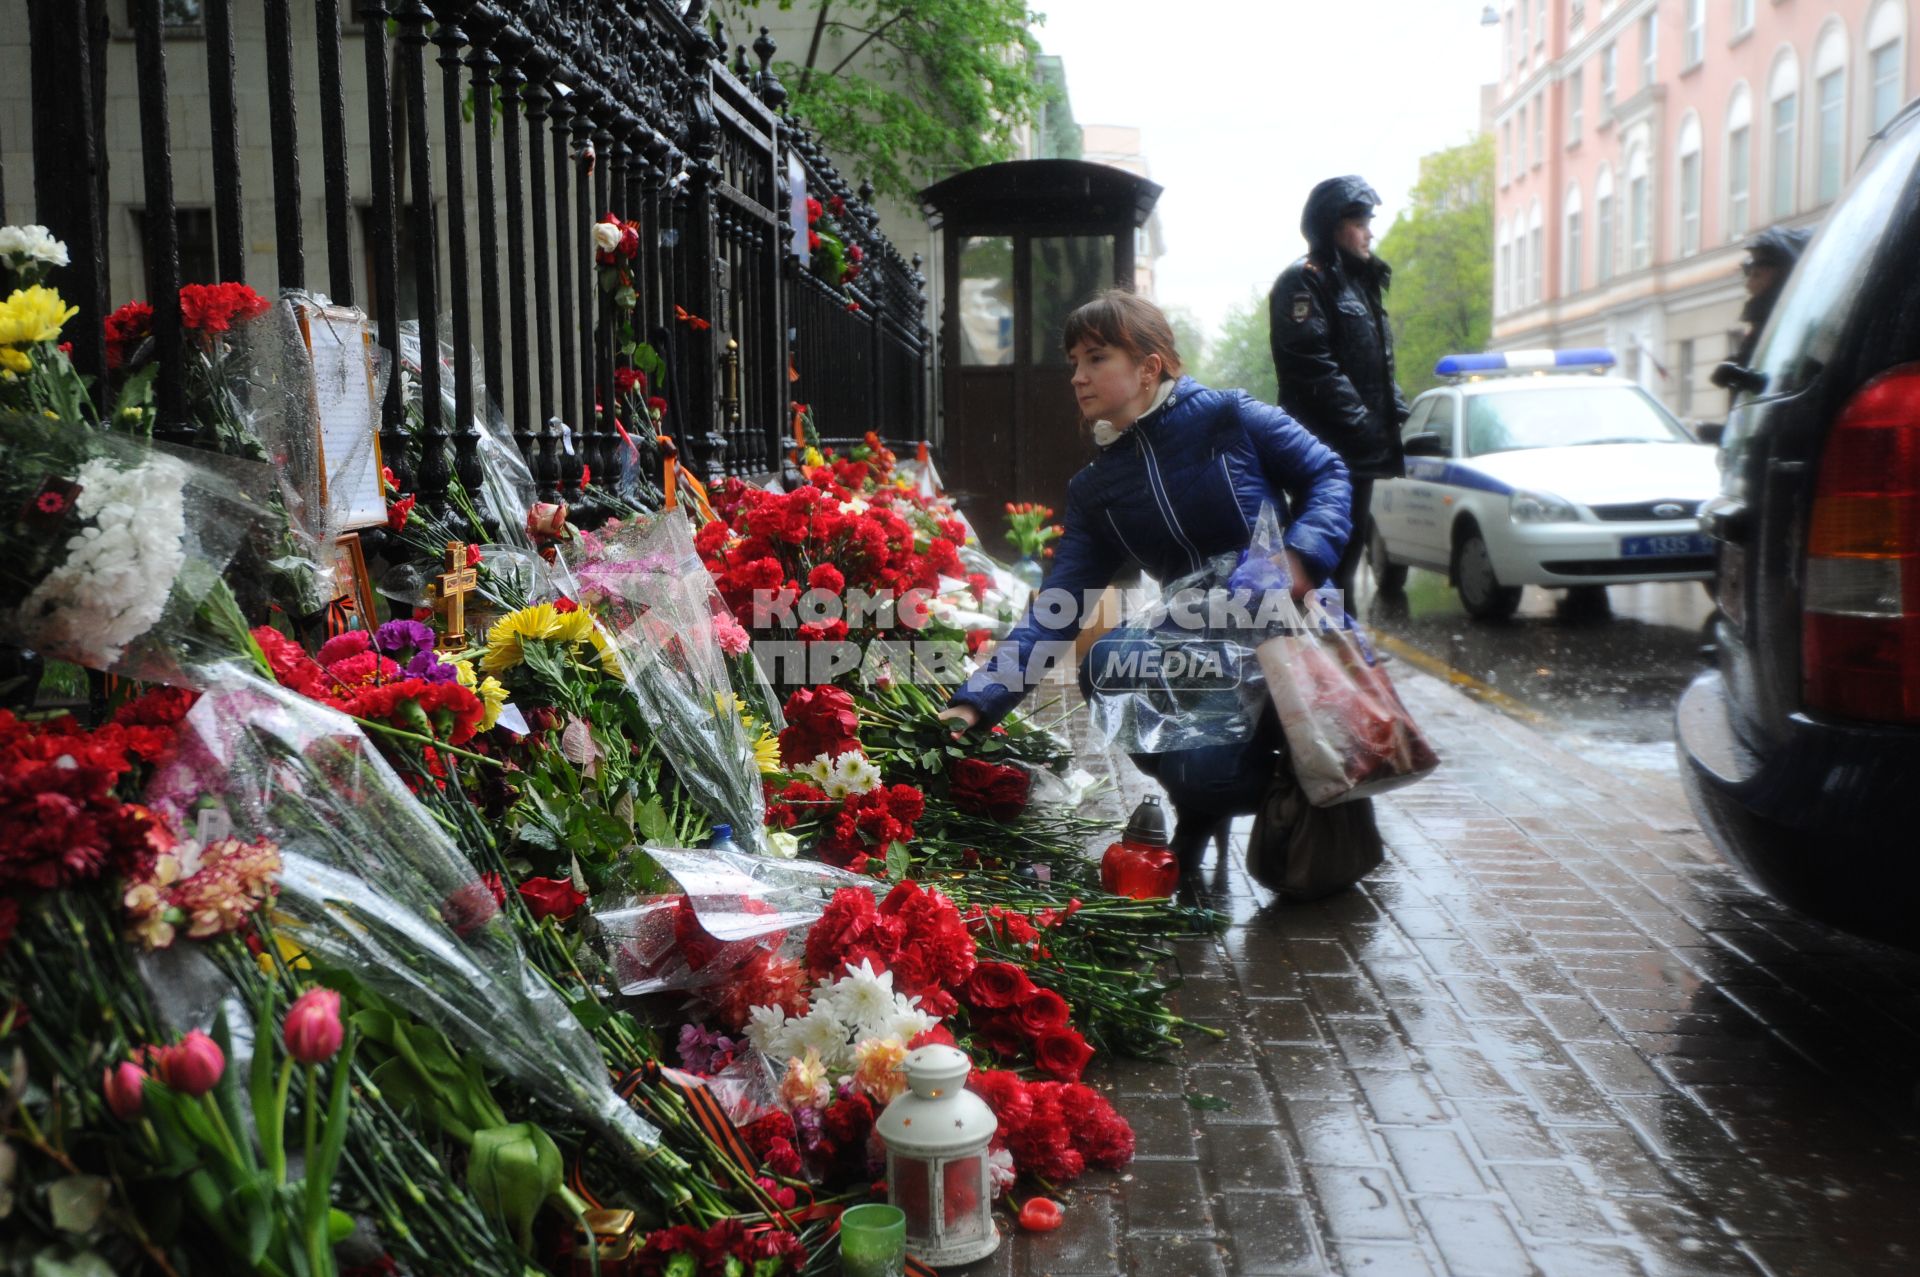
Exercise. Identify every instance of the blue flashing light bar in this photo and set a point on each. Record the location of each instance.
(1509, 361)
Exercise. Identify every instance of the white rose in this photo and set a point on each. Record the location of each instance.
(606, 236)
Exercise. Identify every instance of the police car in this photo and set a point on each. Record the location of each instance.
(1539, 467)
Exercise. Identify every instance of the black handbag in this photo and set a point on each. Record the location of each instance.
(1302, 852)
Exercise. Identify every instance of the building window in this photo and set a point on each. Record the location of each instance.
(1886, 58)
(1742, 16)
(1506, 43)
(1506, 152)
(1603, 227)
(1504, 281)
(1576, 104)
(1690, 204)
(1520, 169)
(1884, 67)
(1540, 23)
(1639, 212)
(1539, 129)
(1609, 74)
(1537, 252)
(1649, 47)
(173, 13)
(1695, 49)
(1831, 93)
(1684, 401)
(1784, 125)
(193, 232)
(1739, 179)
(1571, 246)
(1517, 294)
(1524, 43)
(1576, 14)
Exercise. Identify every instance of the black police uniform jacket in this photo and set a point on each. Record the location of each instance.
(1333, 346)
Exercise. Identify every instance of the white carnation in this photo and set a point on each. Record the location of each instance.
(118, 572)
(20, 244)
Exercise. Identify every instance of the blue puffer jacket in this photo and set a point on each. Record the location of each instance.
(1184, 484)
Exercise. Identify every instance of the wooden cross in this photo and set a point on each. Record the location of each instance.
(450, 590)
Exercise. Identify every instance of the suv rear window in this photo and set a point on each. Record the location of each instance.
(1806, 324)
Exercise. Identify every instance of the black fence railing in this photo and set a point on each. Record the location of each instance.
(553, 114)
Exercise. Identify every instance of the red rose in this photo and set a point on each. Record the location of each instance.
(995, 985)
(995, 790)
(551, 898)
(469, 908)
(820, 720)
(1063, 1053)
(1044, 1011)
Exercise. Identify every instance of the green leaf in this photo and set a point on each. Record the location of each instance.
(85, 1264)
(899, 863)
(254, 1195)
(651, 821)
(77, 1202)
(1207, 1103)
(512, 1171)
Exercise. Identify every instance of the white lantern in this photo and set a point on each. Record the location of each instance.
(936, 1133)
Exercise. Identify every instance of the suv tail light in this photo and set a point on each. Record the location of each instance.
(1860, 633)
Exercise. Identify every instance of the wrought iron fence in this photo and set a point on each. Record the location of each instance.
(566, 111)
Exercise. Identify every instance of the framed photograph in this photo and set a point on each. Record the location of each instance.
(347, 411)
(353, 597)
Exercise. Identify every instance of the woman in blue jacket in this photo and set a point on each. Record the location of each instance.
(1180, 475)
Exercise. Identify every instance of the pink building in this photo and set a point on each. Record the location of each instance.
(1640, 142)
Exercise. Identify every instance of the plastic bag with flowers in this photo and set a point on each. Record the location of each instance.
(111, 550)
(370, 882)
(646, 583)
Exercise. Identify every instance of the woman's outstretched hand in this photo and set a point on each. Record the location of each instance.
(964, 717)
(1302, 583)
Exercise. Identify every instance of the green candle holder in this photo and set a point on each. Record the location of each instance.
(873, 1241)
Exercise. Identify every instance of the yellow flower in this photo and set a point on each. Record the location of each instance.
(876, 1070)
(33, 315)
(766, 753)
(813, 457)
(14, 360)
(506, 640)
(491, 691)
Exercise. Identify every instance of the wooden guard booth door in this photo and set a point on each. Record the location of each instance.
(1025, 243)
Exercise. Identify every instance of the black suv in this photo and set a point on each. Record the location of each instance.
(1801, 752)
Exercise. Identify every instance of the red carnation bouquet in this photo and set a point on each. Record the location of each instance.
(915, 932)
(1054, 1130)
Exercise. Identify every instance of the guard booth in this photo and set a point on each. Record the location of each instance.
(1025, 243)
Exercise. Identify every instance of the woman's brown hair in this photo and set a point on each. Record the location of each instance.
(1124, 321)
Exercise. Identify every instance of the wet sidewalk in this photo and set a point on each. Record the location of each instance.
(1552, 1034)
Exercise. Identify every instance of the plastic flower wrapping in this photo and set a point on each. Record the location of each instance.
(114, 548)
(647, 584)
(723, 912)
(507, 489)
(369, 881)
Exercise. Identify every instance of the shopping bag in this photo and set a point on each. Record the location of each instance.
(1302, 852)
(1347, 733)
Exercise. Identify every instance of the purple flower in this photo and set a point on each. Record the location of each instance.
(428, 666)
(401, 636)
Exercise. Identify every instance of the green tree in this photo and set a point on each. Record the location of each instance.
(1240, 356)
(1441, 249)
(1189, 338)
(903, 91)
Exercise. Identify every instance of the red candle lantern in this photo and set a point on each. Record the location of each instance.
(1139, 865)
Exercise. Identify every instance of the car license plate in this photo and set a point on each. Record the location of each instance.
(1656, 547)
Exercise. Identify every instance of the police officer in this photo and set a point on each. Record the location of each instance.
(1771, 257)
(1333, 348)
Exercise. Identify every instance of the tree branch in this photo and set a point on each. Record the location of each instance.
(813, 49)
(871, 37)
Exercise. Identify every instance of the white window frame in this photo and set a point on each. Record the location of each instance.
(1738, 215)
(1503, 271)
(1783, 141)
(1536, 254)
(1639, 210)
(1650, 47)
(1742, 17)
(1829, 133)
(1576, 104)
(1604, 217)
(1539, 129)
(1572, 242)
(1689, 174)
(1693, 44)
(1886, 30)
(1609, 75)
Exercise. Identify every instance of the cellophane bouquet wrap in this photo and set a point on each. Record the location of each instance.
(112, 548)
(650, 591)
(1347, 733)
(719, 911)
(372, 883)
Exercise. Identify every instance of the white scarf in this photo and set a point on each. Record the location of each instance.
(1105, 432)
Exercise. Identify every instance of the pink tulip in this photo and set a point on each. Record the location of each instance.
(313, 1030)
(122, 1084)
(194, 1066)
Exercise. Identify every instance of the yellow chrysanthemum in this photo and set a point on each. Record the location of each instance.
(12, 360)
(33, 315)
(766, 745)
(506, 640)
(609, 662)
